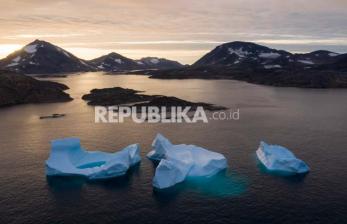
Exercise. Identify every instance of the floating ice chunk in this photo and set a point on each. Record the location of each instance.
(67, 158)
(160, 145)
(168, 173)
(30, 49)
(180, 161)
(279, 159)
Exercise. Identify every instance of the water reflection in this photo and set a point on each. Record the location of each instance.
(63, 184)
(223, 184)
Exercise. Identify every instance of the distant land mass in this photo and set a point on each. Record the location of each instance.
(41, 57)
(237, 60)
(21, 89)
(258, 64)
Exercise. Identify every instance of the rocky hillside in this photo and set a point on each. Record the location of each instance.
(259, 64)
(246, 55)
(20, 89)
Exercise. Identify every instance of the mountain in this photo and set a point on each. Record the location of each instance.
(239, 54)
(41, 57)
(114, 62)
(253, 56)
(158, 63)
(259, 64)
(19, 89)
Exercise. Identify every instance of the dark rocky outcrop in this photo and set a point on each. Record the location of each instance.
(21, 89)
(119, 96)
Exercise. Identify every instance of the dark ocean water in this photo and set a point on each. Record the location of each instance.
(312, 123)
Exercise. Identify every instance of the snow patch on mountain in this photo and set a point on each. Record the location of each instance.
(271, 55)
(119, 61)
(30, 49)
(63, 51)
(272, 66)
(12, 64)
(16, 59)
(309, 62)
(239, 52)
(154, 60)
(333, 54)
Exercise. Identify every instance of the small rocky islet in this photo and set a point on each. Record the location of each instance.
(122, 96)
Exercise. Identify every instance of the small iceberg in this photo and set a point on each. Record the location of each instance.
(177, 162)
(280, 160)
(68, 158)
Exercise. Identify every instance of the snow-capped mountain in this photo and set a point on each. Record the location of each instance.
(259, 64)
(41, 57)
(242, 55)
(158, 63)
(237, 54)
(115, 62)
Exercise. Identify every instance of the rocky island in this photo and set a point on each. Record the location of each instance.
(121, 96)
(20, 89)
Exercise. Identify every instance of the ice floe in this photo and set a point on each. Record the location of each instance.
(180, 161)
(280, 160)
(68, 158)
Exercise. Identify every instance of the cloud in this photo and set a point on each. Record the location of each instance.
(194, 24)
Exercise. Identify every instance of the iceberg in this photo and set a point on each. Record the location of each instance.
(177, 162)
(67, 158)
(280, 160)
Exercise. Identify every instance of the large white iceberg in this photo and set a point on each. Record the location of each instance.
(278, 159)
(67, 158)
(180, 161)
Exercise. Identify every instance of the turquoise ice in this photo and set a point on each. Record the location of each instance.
(68, 158)
(177, 162)
(280, 160)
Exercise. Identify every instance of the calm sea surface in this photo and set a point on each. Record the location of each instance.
(313, 123)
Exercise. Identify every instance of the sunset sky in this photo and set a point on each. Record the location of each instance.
(182, 30)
